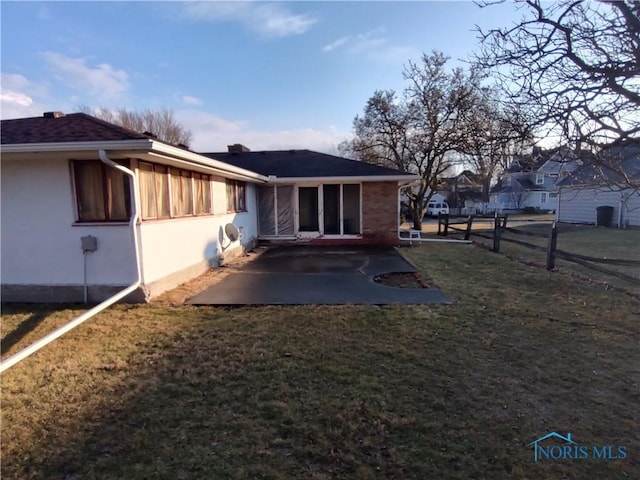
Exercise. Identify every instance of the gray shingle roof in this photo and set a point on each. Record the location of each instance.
(74, 127)
(80, 127)
(301, 164)
(608, 167)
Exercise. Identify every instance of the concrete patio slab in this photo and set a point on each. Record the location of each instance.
(295, 275)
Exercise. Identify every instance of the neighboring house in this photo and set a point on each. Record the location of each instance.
(58, 186)
(463, 193)
(471, 202)
(521, 188)
(586, 189)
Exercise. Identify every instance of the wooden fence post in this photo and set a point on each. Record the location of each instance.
(446, 224)
(467, 234)
(551, 247)
(496, 234)
(504, 223)
(439, 223)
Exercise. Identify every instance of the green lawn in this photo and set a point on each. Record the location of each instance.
(344, 392)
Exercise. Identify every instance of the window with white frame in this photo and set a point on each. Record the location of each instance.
(202, 193)
(181, 193)
(236, 196)
(539, 178)
(171, 192)
(341, 209)
(543, 197)
(102, 192)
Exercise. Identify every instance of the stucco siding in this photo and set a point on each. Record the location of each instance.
(169, 246)
(41, 256)
(579, 205)
(40, 244)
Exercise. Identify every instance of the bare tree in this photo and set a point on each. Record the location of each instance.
(495, 136)
(518, 195)
(575, 67)
(161, 122)
(421, 130)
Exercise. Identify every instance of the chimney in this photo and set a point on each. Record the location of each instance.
(53, 115)
(237, 148)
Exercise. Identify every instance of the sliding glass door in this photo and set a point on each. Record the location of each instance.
(308, 209)
(341, 209)
(329, 209)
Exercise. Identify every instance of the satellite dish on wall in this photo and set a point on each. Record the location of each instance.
(232, 232)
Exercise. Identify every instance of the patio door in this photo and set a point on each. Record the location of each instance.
(308, 211)
(341, 209)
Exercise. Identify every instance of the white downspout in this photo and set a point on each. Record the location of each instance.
(621, 204)
(21, 355)
(439, 240)
(558, 203)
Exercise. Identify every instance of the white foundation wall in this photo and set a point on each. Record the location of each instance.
(40, 245)
(185, 244)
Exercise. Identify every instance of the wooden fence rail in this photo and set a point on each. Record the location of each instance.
(464, 225)
(444, 224)
(552, 251)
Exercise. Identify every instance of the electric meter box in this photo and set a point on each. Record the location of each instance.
(89, 243)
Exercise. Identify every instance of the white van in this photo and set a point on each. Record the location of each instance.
(436, 208)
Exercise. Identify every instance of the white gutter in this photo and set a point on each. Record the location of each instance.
(409, 239)
(240, 174)
(346, 179)
(193, 157)
(33, 348)
(141, 146)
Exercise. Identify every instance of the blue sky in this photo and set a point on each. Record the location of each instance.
(268, 75)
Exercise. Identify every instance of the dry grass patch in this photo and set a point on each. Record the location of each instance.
(184, 292)
(325, 392)
(583, 240)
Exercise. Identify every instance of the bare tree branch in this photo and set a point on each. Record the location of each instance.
(422, 131)
(574, 67)
(160, 122)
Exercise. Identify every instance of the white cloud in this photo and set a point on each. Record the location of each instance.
(333, 45)
(212, 133)
(7, 96)
(102, 82)
(20, 97)
(366, 42)
(270, 20)
(192, 101)
(373, 45)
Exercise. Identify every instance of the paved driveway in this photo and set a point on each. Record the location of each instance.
(296, 275)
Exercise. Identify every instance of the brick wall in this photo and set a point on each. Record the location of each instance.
(380, 212)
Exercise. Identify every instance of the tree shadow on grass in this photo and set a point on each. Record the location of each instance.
(304, 393)
(23, 329)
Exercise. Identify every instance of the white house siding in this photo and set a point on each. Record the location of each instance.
(41, 255)
(579, 205)
(175, 250)
(40, 245)
(520, 201)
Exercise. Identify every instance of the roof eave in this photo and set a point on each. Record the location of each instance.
(141, 147)
(344, 178)
(50, 147)
(225, 168)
